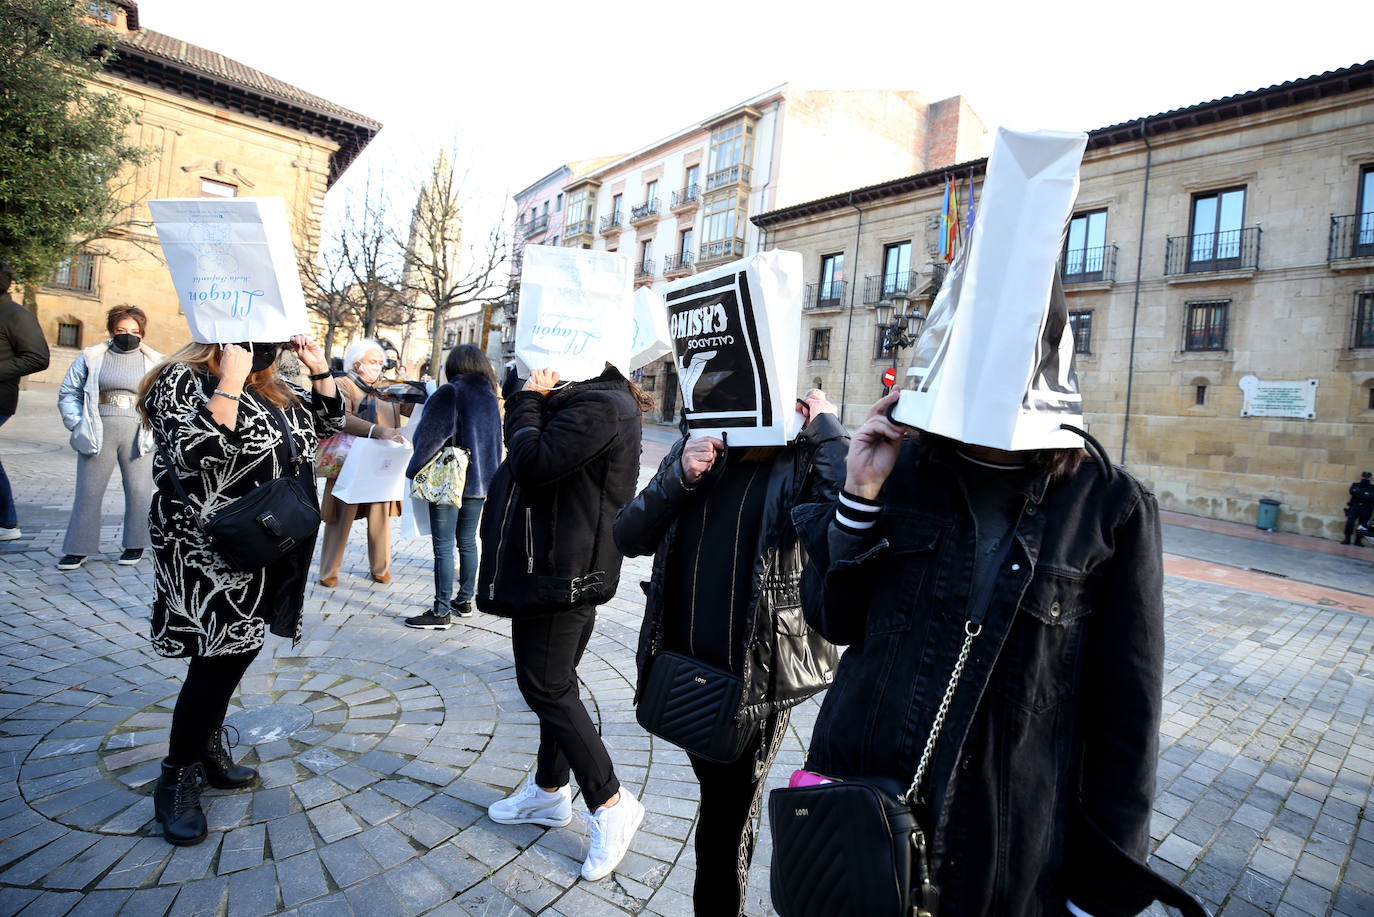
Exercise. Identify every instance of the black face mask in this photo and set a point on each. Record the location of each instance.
(264, 355)
(124, 342)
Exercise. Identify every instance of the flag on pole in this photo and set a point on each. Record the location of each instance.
(968, 229)
(949, 222)
(946, 250)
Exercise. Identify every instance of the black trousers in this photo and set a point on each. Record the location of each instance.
(547, 649)
(727, 821)
(1356, 515)
(202, 704)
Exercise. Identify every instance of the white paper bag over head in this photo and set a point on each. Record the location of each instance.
(736, 334)
(233, 267)
(994, 365)
(576, 311)
(651, 338)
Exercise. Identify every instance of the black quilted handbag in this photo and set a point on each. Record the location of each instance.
(696, 707)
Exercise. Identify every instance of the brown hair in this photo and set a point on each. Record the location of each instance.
(119, 313)
(204, 359)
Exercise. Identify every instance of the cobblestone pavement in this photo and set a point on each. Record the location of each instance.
(380, 746)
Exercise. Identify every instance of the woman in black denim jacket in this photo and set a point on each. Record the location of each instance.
(1039, 791)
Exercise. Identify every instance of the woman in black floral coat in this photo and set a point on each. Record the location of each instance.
(216, 417)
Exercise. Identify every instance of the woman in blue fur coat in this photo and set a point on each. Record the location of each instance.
(465, 408)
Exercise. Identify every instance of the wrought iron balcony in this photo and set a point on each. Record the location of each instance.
(644, 270)
(648, 210)
(677, 264)
(1203, 252)
(825, 295)
(737, 173)
(689, 196)
(612, 224)
(722, 250)
(878, 287)
(535, 226)
(938, 270)
(1089, 265)
(1352, 236)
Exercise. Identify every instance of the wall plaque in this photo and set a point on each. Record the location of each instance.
(1278, 399)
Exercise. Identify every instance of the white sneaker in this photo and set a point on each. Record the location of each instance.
(612, 830)
(531, 805)
(10, 534)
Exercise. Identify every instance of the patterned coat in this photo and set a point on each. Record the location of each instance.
(201, 605)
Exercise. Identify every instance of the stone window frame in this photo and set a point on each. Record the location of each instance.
(819, 348)
(1082, 333)
(1209, 308)
(1362, 321)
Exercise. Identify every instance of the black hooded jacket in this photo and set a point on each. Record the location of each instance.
(572, 460)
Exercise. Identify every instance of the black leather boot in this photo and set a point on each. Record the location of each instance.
(176, 802)
(220, 770)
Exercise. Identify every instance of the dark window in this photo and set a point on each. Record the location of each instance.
(820, 343)
(615, 208)
(649, 383)
(1206, 327)
(684, 246)
(896, 268)
(1364, 319)
(882, 348)
(1086, 248)
(1081, 323)
(1364, 233)
(76, 274)
(68, 334)
(1215, 237)
(558, 203)
(832, 278)
(1200, 396)
(450, 338)
(1371, 397)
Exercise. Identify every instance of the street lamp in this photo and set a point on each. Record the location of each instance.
(899, 322)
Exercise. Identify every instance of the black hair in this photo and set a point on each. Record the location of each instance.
(466, 359)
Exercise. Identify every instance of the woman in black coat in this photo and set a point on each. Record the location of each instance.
(572, 460)
(724, 591)
(465, 412)
(217, 420)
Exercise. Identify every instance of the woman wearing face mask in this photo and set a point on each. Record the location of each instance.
(371, 417)
(97, 403)
(221, 419)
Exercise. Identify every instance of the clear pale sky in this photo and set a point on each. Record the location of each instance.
(519, 87)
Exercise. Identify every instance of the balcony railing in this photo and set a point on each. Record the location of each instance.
(644, 211)
(535, 226)
(613, 223)
(1232, 250)
(878, 287)
(725, 248)
(677, 264)
(825, 295)
(1352, 236)
(644, 270)
(689, 196)
(938, 270)
(736, 173)
(1089, 265)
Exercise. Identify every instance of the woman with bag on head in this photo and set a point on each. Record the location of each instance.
(724, 594)
(97, 402)
(227, 430)
(367, 417)
(462, 416)
(572, 460)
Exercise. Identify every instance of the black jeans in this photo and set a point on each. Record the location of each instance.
(547, 649)
(202, 704)
(727, 820)
(1356, 515)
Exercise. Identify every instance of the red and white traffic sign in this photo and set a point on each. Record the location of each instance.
(889, 377)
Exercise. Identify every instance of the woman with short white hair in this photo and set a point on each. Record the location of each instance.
(368, 416)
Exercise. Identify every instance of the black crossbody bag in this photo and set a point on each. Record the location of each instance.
(855, 847)
(696, 707)
(266, 524)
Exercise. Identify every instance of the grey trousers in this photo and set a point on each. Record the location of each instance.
(93, 475)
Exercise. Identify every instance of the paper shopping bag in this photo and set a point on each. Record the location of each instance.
(233, 267)
(651, 338)
(414, 511)
(994, 365)
(576, 311)
(736, 334)
(374, 472)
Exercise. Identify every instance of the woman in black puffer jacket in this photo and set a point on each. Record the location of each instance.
(572, 460)
(724, 591)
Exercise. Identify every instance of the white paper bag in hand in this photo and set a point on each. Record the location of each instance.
(576, 311)
(233, 267)
(994, 366)
(736, 334)
(374, 472)
(651, 337)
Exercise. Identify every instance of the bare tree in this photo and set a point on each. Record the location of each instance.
(436, 274)
(372, 261)
(328, 291)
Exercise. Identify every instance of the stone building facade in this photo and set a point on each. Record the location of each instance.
(214, 127)
(684, 202)
(1251, 220)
